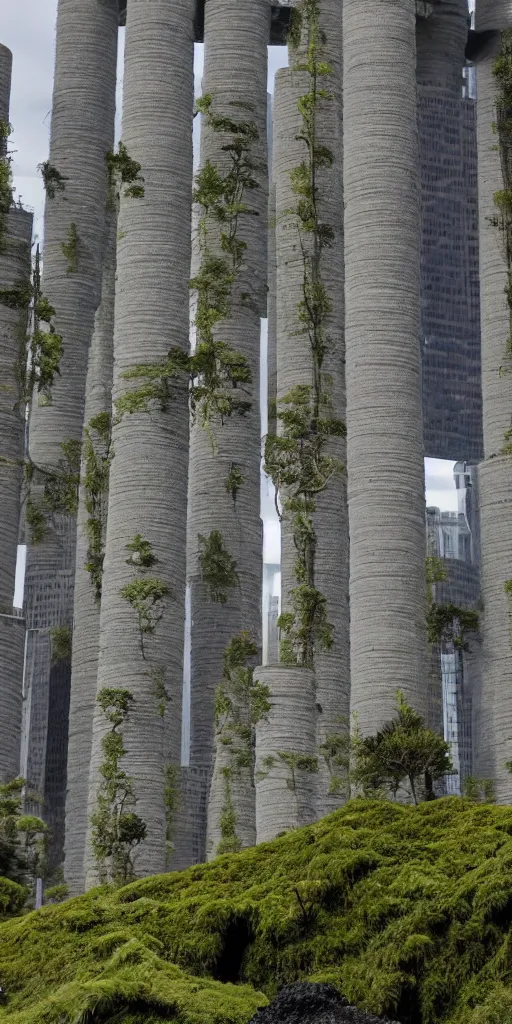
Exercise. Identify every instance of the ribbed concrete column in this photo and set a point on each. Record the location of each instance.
(237, 43)
(272, 312)
(295, 367)
(5, 87)
(14, 268)
(384, 411)
(232, 785)
(148, 476)
(81, 134)
(12, 648)
(16, 237)
(285, 797)
(293, 353)
(189, 817)
(86, 621)
(440, 44)
(495, 473)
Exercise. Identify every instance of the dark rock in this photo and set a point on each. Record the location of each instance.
(310, 1003)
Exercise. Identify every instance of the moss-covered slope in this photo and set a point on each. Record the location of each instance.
(407, 910)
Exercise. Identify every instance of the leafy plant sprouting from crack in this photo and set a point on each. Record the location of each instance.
(295, 764)
(97, 459)
(116, 829)
(241, 701)
(296, 458)
(218, 376)
(145, 593)
(448, 622)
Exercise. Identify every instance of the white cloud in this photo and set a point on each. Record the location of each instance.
(439, 484)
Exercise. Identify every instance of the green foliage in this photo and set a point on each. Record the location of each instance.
(335, 751)
(260, 701)
(17, 297)
(71, 248)
(217, 566)
(132, 984)
(297, 763)
(97, 456)
(43, 309)
(221, 384)
(46, 350)
(35, 520)
(22, 847)
(436, 573)
(296, 456)
(229, 842)
(12, 898)
(295, 27)
(11, 794)
(115, 704)
(502, 70)
(56, 893)
(61, 642)
(402, 751)
(219, 377)
(123, 170)
(479, 790)
(507, 443)
(234, 481)
(240, 702)
(41, 351)
(145, 593)
(161, 381)
(496, 1008)
(59, 490)
(53, 180)
(141, 553)
(157, 675)
(409, 918)
(61, 486)
(6, 186)
(116, 829)
(146, 597)
(508, 590)
(448, 623)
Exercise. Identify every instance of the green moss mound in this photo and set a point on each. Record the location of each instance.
(12, 898)
(408, 910)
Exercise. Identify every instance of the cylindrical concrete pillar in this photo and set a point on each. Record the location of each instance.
(285, 761)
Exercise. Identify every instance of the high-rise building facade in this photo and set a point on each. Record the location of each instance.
(454, 538)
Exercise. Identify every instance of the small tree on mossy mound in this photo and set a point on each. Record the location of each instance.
(480, 791)
(23, 837)
(402, 751)
(12, 898)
